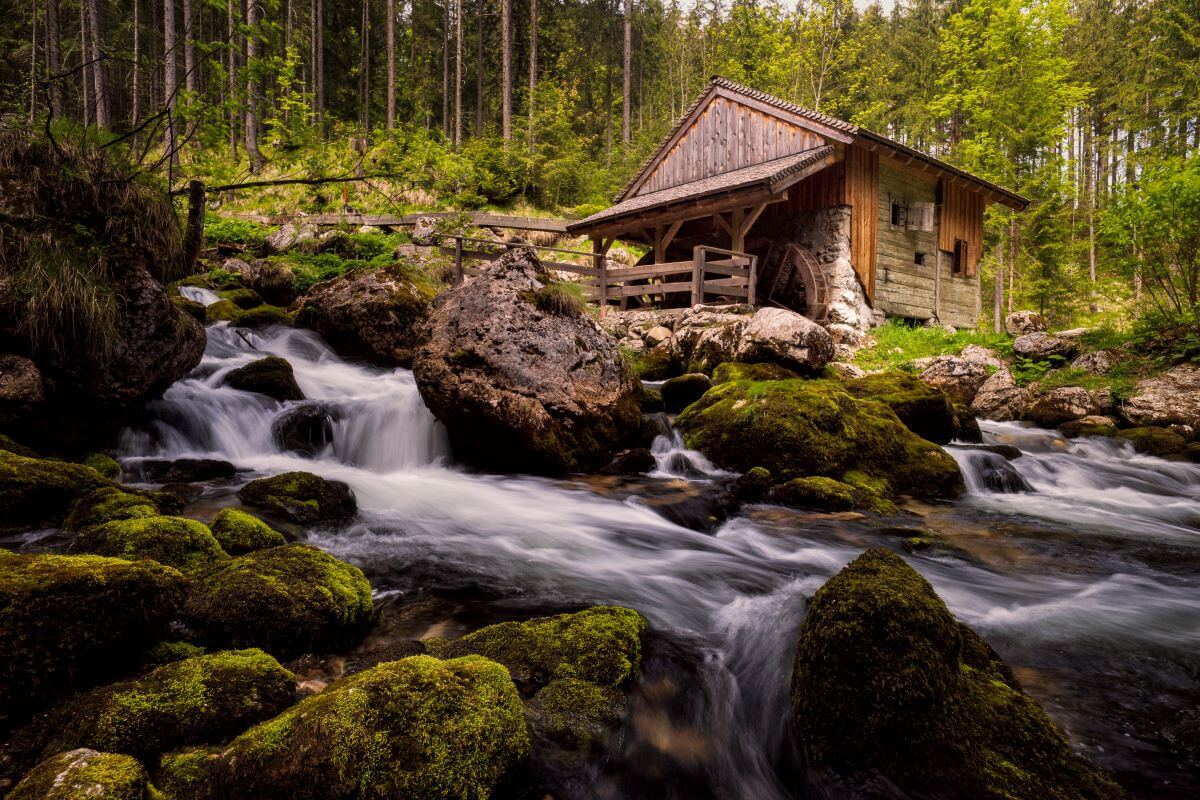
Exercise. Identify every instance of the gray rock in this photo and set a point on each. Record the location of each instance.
(521, 388)
(288, 236)
(424, 231)
(780, 336)
(999, 398)
(1060, 405)
(707, 336)
(1172, 398)
(272, 376)
(956, 376)
(980, 355)
(1042, 346)
(275, 283)
(1096, 362)
(1022, 322)
(844, 369)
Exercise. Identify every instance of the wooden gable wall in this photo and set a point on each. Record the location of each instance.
(726, 135)
(961, 217)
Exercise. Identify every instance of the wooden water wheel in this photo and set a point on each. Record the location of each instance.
(793, 278)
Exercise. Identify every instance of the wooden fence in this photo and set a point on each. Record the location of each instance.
(711, 271)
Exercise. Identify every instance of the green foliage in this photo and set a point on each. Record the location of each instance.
(563, 298)
(1028, 370)
(226, 230)
(898, 342)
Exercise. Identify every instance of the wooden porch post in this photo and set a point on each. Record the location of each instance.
(697, 275)
(737, 236)
(458, 265)
(600, 261)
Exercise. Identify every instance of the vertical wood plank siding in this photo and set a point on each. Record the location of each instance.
(727, 136)
(862, 195)
(962, 218)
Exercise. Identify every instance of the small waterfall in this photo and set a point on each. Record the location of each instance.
(205, 297)
(987, 472)
(677, 461)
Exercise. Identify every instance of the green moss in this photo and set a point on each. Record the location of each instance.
(109, 504)
(105, 464)
(574, 714)
(35, 491)
(753, 486)
(65, 620)
(798, 429)
(821, 493)
(16, 448)
(178, 542)
(417, 727)
(166, 652)
(288, 600)
(199, 699)
(261, 317)
(653, 364)
(924, 409)
(736, 371)
(564, 299)
(302, 497)
(85, 775)
(222, 311)
(602, 645)
(887, 682)
(238, 532)
(1154, 441)
(241, 297)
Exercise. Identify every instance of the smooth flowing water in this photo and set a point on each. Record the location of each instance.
(1081, 565)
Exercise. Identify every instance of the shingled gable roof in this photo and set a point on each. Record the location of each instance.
(838, 129)
(771, 175)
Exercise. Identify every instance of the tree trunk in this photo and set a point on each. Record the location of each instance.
(997, 290)
(533, 67)
(53, 58)
(135, 115)
(391, 64)
(506, 69)
(446, 68)
(190, 77)
(318, 58)
(85, 72)
(627, 63)
(33, 38)
(256, 161)
(1012, 255)
(479, 64)
(364, 72)
(458, 65)
(233, 51)
(169, 75)
(99, 73)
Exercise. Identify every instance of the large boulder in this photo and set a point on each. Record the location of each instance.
(87, 774)
(204, 698)
(1172, 398)
(70, 621)
(301, 497)
(889, 689)
(706, 336)
(417, 727)
(1000, 398)
(679, 393)
(35, 491)
(924, 409)
(185, 544)
(523, 384)
(424, 232)
(306, 429)
(784, 337)
(1063, 404)
(375, 314)
(1041, 346)
(1020, 323)
(288, 600)
(958, 377)
(1097, 362)
(239, 533)
(800, 428)
(273, 282)
(272, 376)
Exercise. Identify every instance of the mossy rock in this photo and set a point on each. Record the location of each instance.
(574, 714)
(205, 698)
(69, 621)
(414, 728)
(679, 393)
(16, 448)
(752, 486)
(824, 494)
(178, 542)
(36, 491)
(109, 504)
(103, 463)
(238, 532)
(242, 297)
(287, 600)
(803, 428)
(221, 311)
(1161, 442)
(193, 309)
(262, 316)
(86, 775)
(272, 376)
(652, 400)
(926, 411)
(168, 652)
(602, 645)
(737, 371)
(887, 684)
(301, 497)
(654, 364)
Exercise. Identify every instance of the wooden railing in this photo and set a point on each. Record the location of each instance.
(603, 282)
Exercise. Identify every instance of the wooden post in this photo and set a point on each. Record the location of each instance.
(752, 285)
(458, 267)
(601, 263)
(697, 275)
(738, 236)
(998, 300)
(937, 284)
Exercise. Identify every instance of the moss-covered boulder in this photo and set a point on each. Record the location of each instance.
(737, 371)
(679, 393)
(86, 775)
(221, 311)
(601, 645)
(654, 364)
(1154, 441)
(887, 684)
(205, 698)
(926, 410)
(103, 463)
(263, 316)
(272, 376)
(185, 544)
(193, 309)
(109, 504)
(414, 728)
(241, 297)
(574, 714)
(36, 491)
(238, 532)
(301, 497)
(799, 429)
(817, 492)
(287, 600)
(70, 621)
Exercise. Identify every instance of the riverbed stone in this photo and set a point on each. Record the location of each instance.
(182, 470)
(706, 336)
(781, 336)
(679, 393)
(519, 387)
(306, 429)
(1044, 347)
(801, 428)
(1157, 441)
(888, 687)
(239, 533)
(37, 491)
(272, 376)
(924, 409)
(274, 282)
(417, 727)
(70, 621)
(1172, 398)
(1060, 405)
(824, 494)
(302, 497)
(287, 600)
(108, 504)
(185, 544)
(1000, 398)
(960, 378)
(85, 773)
(1091, 425)
(1018, 323)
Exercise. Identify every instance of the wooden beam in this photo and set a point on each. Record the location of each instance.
(697, 210)
(719, 218)
(669, 236)
(737, 236)
(753, 216)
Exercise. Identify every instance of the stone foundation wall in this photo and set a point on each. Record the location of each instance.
(826, 234)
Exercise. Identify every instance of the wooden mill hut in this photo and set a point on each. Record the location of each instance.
(843, 222)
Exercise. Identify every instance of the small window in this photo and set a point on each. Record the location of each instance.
(959, 258)
(897, 213)
(919, 259)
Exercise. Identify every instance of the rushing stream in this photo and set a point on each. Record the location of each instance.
(1081, 565)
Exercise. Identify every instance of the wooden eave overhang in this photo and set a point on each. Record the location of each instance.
(767, 182)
